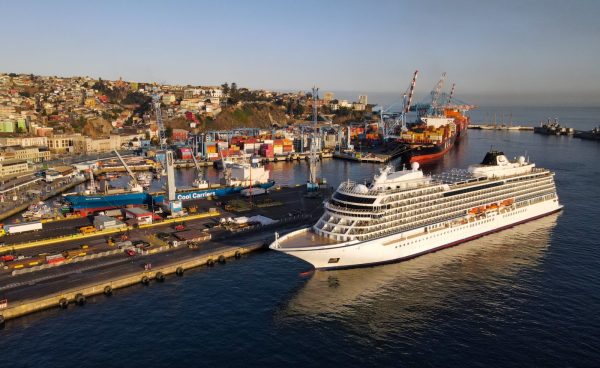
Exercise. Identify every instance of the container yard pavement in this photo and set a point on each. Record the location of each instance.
(42, 242)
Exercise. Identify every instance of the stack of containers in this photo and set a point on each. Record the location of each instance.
(251, 145)
(211, 151)
(266, 150)
(221, 146)
(184, 153)
(288, 146)
(278, 146)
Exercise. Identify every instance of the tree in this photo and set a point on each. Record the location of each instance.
(225, 87)
(299, 109)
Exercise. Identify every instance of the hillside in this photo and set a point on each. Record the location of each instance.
(253, 115)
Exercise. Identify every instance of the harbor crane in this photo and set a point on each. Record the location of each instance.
(435, 94)
(312, 184)
(400, 121)
(162, 139)
(199, 182)
(134, 186)
(453, 103)
(451, 94)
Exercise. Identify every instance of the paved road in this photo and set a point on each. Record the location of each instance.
(72, 275)
(53, 280)
(66, 276)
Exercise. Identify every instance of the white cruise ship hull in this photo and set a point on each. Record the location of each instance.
(403, 246)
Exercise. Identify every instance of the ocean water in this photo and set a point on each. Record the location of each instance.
(527, 296)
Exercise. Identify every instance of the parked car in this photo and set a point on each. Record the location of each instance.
(141, 244)
(163, 236)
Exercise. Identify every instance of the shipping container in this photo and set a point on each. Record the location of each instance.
(23, 227)
(55, 259)
(69, 254)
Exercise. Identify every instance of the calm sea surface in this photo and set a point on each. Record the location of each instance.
(528, 296)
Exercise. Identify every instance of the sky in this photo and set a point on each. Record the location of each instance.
(497, 52)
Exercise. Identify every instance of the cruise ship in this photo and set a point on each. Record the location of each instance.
(404, 214)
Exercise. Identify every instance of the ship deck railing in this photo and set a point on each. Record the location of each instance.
(349, 186)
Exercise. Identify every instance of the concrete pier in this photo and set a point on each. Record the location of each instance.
(78, 294)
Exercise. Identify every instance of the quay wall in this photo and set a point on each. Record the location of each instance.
(25, 307)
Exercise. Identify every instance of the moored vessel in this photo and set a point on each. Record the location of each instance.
(593, 135)
(440, 123)
(404, 214)
(237, 177)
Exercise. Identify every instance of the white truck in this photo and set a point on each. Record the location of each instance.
(23, 227)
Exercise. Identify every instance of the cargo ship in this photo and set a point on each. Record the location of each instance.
(429, 140)
(236, 178)
(433, 136)
(440, 123)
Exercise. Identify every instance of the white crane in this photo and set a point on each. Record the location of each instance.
(134, 186)
(200, 182)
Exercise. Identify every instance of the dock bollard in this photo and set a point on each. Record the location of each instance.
(237, 255)
(145, 280)
(160, 276)
(80, 299)
(63, 303)
(179, 271)
(108, 290)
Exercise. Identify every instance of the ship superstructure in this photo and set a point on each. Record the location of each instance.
(403, 214)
